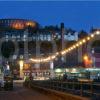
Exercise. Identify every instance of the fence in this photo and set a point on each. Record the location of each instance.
(78, 88)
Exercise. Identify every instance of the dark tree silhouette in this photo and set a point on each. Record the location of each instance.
(96, 43)
(82, 34)
(7, 49)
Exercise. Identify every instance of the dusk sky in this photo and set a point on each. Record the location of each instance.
(76, 15)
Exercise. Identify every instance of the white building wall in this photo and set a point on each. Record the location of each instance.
(71, 37)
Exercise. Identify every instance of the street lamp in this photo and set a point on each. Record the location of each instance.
(8, 68)
(85, 57)
(21, 63)
(87, 61)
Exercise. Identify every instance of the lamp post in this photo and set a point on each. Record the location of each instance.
(52, 74)
(93, 57)
(21, 63)
(87, 61)
(85, 58)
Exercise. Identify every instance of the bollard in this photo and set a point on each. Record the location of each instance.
(91, 88)
(73, 86)
(81, 89)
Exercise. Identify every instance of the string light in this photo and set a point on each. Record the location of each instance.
(92, 35)
(80, 42)
(67, 50)
(74, 46)
(57, 53)
(77, 45)
(84, 41)
(63, 52)
(88, 38)
(71, 48)
(97, 32)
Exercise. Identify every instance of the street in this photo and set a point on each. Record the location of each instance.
(21, 93)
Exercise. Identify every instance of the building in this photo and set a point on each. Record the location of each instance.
(28, 31)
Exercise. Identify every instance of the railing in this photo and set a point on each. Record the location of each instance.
(88, 89)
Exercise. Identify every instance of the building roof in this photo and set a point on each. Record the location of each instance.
(17, 23)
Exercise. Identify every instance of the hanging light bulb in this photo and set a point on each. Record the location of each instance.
(92, 35)
(88, 38)
(97, 32)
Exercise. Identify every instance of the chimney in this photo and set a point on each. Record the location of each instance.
(62, 35)
(62, 26)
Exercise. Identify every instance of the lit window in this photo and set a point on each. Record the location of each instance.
(18, 25)
(33, 24)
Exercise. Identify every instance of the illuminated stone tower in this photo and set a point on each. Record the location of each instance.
(62, 40)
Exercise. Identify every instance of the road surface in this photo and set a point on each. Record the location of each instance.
(21, 93)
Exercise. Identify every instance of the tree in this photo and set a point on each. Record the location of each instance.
(51, 28)
(82, 34)
(7, 49)
(96, 43)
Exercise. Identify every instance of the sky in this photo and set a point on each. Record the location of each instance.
(77, 15)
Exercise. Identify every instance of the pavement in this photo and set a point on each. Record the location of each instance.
(21, 93)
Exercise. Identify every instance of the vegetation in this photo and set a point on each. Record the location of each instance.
(7, 49)
(96, 43)
(82, 34)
